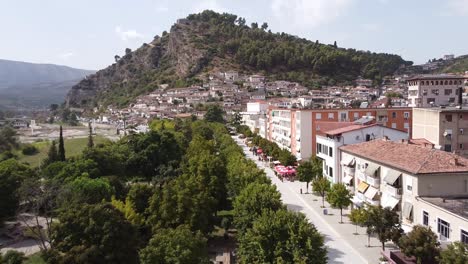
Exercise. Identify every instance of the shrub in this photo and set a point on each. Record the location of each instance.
(29, 150)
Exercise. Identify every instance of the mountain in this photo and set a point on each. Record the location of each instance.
(31, 85)
(457, 65)
(208, 42)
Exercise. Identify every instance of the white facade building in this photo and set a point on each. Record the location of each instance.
(329, 141)
(416, 181)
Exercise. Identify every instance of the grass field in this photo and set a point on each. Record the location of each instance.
(73, 147)
(34, 259)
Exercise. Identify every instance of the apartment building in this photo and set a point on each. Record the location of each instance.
(301, 124)
(446, 128)
(254, 117)
(433, 90)
(416, 180)
(333, 135)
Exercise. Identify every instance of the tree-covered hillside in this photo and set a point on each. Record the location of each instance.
(209, 42)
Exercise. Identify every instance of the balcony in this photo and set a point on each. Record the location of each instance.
(373, 202)
(349, 170)
(350, 188)
(361, 176)
(361, 196)
(374, 182)
(394, 191)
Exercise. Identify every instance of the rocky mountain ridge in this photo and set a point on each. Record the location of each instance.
(206, 42)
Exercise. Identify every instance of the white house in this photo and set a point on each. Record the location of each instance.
(336, 134)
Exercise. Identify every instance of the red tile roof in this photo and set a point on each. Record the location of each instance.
(412, 158)
(322, 127)
(347, 129)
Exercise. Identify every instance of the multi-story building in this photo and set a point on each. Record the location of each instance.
(333, 135)
(301, 124)
(433, 90)
(255, 115)
(416, 180)
(446, 128)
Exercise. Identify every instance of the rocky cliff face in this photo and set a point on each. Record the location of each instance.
(172, 56)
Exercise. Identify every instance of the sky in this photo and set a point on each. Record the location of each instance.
(88, 34)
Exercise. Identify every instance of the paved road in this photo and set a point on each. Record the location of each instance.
(339, 249)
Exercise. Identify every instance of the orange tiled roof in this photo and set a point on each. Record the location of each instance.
(346, 129)
(322, 127)
(408, 157)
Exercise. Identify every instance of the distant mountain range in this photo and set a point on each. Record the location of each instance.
(26, 85)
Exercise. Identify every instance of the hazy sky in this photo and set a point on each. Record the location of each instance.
(88, 33)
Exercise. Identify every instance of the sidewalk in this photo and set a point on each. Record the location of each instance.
(343, 245)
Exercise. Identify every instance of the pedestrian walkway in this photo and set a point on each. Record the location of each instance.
(343, 245)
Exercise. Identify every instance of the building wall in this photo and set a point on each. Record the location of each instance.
(434, 125)
(457, 223)
(443, 185)
(420, 91)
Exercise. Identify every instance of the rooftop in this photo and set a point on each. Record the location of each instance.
(412, 158)
(456, 205)
(435, 77)
(443, 109)
(346, 129)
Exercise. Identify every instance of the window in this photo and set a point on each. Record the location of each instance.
(356, 115)
(318, 116)
(443, 228)
(393, 125)
(464, 236)
(406, 115)
(448, 91)
(409, 188)
(425, 220)
(330, 152)
(331, 115)
(435, 91)
(451, 100)
(330, 171)
(393, 114)
(448, 148)
(319, 148)
(430, 100)
(448, 118)
(406, 125)
(461, 131)
(424, 92)
(461, 146)
(461, 116)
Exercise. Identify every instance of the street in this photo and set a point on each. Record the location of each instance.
(338, 237)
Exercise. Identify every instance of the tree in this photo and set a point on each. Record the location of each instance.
(358, 217)
(335, 45)
(12, 173)
(90, 136)
(251, 202)
(140, 195)
(385, 223)
(456, 253)
(214, 113)
(321, 186)
(61, 147)
(85, 190)
(420, 243)
(96, 233)
(309, 170)
(179, 245)
(236, 119)
(52, 155)
(282, 237)
(116, 58)
(8, 139)
(264, 26)
(12, 257)
(339, 197)
(254, 25)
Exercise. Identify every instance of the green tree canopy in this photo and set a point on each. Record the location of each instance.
(456, 253)
(385, 223)
(95, 234)
(12, 173)
(214, 113)
(339, 197)
(420, 243)
(252, 201)
(86, 190)
(321, 186)
(179, 245)
(8, 139)
(282, 237)
(309, 170)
